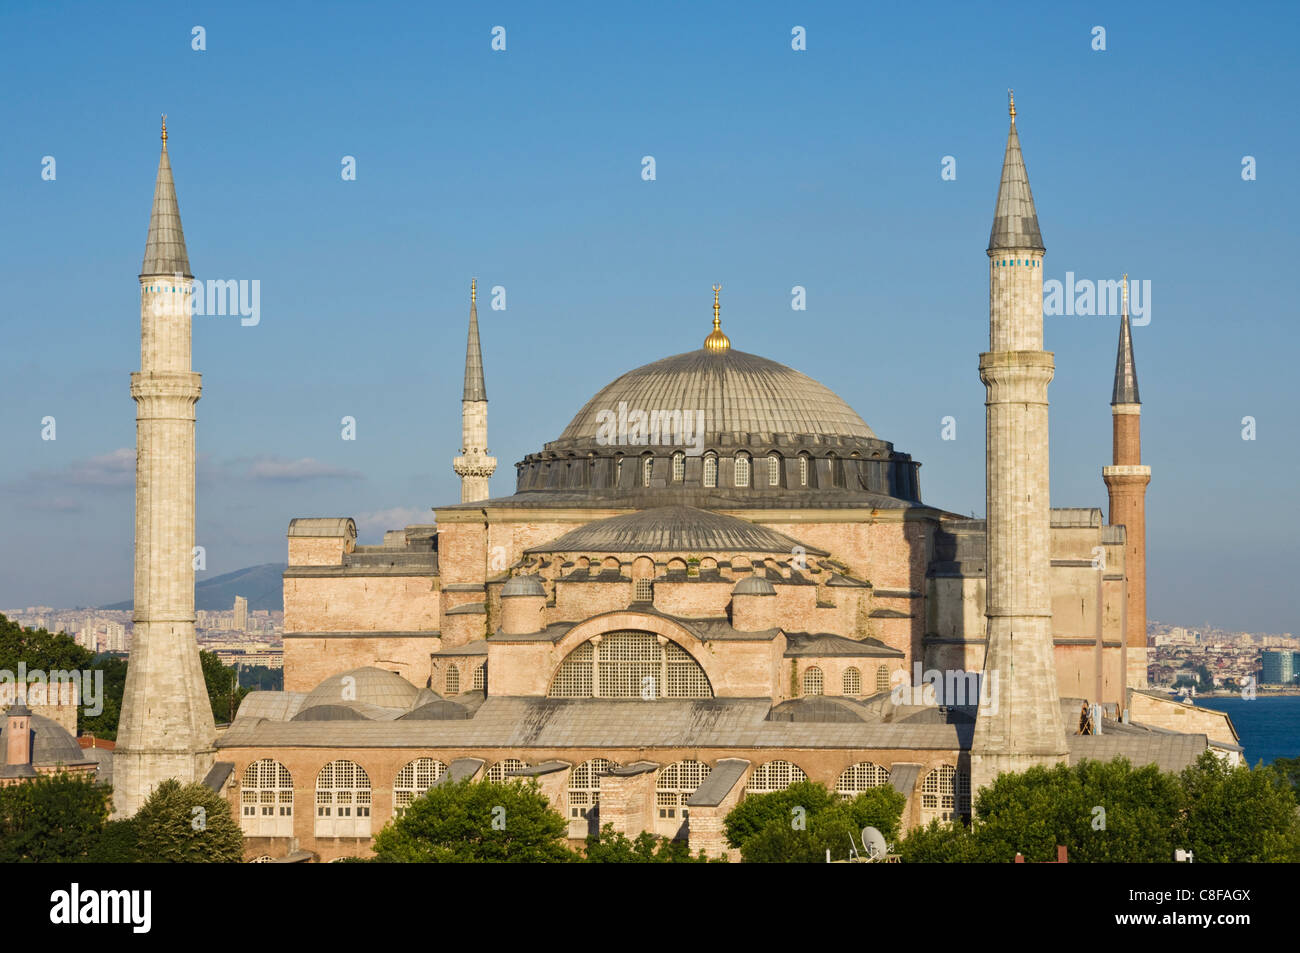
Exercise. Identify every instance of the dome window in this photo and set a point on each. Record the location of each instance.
(679, 467)
(803, 469)
(647, 468)
(773, 469)
(742, 469)
(711, 470)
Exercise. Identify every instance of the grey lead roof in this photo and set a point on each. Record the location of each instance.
(714, 789)
(475, 386)
(164, 249)
(1015, 222)
(674, 529)
(1126, 375)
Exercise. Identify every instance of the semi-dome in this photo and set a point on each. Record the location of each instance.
(753, 586)
(365, 686)
(529, 585)
(739, 393)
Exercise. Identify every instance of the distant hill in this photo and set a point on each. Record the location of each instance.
(262, 586)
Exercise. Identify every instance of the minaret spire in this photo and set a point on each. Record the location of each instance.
(1020, 725)
(474, 466)
(1126, 482)
(166, 728)
(717, 341)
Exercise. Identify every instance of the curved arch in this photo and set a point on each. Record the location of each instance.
(497, 773)
(415, 778)
(679, 466)
(945, 794)
(629, 663)
(860, 777)
(583, 795)
(673, 785)
(774, 468)
(814, 681)
(852, 681)
(710, 470)
(342, 800)
(743, 470)
(266, 799)
(882, 678)
(774, 776)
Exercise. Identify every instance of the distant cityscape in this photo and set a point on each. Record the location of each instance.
(1185, 655)
(236, 635)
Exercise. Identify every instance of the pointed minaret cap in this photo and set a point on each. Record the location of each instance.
(475, 387)
(164, 249)
(1015, 222)
(1126, 375)
(717, 341)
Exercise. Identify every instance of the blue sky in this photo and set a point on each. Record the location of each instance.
(775, 168)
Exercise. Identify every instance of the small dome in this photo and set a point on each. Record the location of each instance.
(51, 744)
(753, 586)
(366, 686)
(330, 713)
(523, 586)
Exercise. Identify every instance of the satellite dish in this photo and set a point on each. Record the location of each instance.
(873, 842)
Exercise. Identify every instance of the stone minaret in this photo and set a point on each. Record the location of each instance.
(1126, 482)
(166, 728)
(1021, 724)
(474, 466)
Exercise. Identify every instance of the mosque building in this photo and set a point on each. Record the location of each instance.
(715, 581)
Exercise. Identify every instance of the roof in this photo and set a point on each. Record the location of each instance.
(826, 645)
(475, 386)
(754, 586)
(529, 585)
(1125, 390)
(1168, 751)
(327, 526)
(902, 777)
(164, 248)
(51, 742)
(735, 391)
(366, 686)
(674, 529)
(1015, 221)
(714, 789)
(218, 775)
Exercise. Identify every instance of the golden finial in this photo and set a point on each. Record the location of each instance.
(164, 137)
(1126, 294)
(473, 290)
(717, 341)
(1011, 97)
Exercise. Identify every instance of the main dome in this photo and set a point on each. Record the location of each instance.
(739, 393)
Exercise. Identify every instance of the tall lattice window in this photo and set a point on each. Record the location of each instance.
(584, 787)
(479, 684)
(852, 681)
(413, 780)
(453, 680)
(861, 777)
(711, 470)
(498, 771)
(813, 682)
(676, 783)
(342, 800)
(773, 469)
(945, 794)
(882, 678)
(742, 469)
(266, 800)
(803, 469)
(774, 776)
(837, 469)
(647, 468)
(630, 664)
(679, 467)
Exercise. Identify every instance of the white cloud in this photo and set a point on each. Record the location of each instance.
(280, 470)
(374, 525)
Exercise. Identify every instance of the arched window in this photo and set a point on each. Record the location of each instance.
(852, 681)
(860, 777)
(742, 469)
(413, 780)
(584, 795)
(773, 469)
(803, 469)
(711, 470)
(679, 467)
(479, 683)
(647, 469)
(630, 664)
(774, 776)
(813, 682)
(266, 800)
(676, 783)
(837, 469)
(453, 680)
(342, 800)
(945, 794)
(497, 773)
(882, 678)
(618, 469)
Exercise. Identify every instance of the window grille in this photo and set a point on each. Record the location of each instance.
(773, 470)
(711, 470)
(644, 590)
(499, 770)
(413, 780)
(742, 469)
(861, 777)
(852, 681)
(882, 678)
(453, 680)
(775, 776)
(679, 467)
(813, 682)
(647, 468)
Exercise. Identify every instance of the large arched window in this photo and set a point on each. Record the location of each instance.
(584, 795)
(676, 783)
(710, 470)
(813, 682)
(773, 469)
(882, 678)
(342, 800)
(452, 680)
(630, 664)
(479, 683)
(679, 467)
(774, 776)
(497, 773)
(266, 800)
(742, 469)
(852, 681)
(413, 780)
(945, 794)
(860, 777)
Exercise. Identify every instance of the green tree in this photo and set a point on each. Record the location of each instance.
(39, 649)
(1289, 769)
(51, 818)
(612, 847)
(1236, 815)
(104, 725)
(469, 822)
(223, 693)
(117, 844)
(941, 842)
(187, 823)
(757, 811)
(803, 822)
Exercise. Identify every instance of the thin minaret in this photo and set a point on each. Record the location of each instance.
(1019, 722)
(474, 466)
(166, 727)
(1126, 483)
